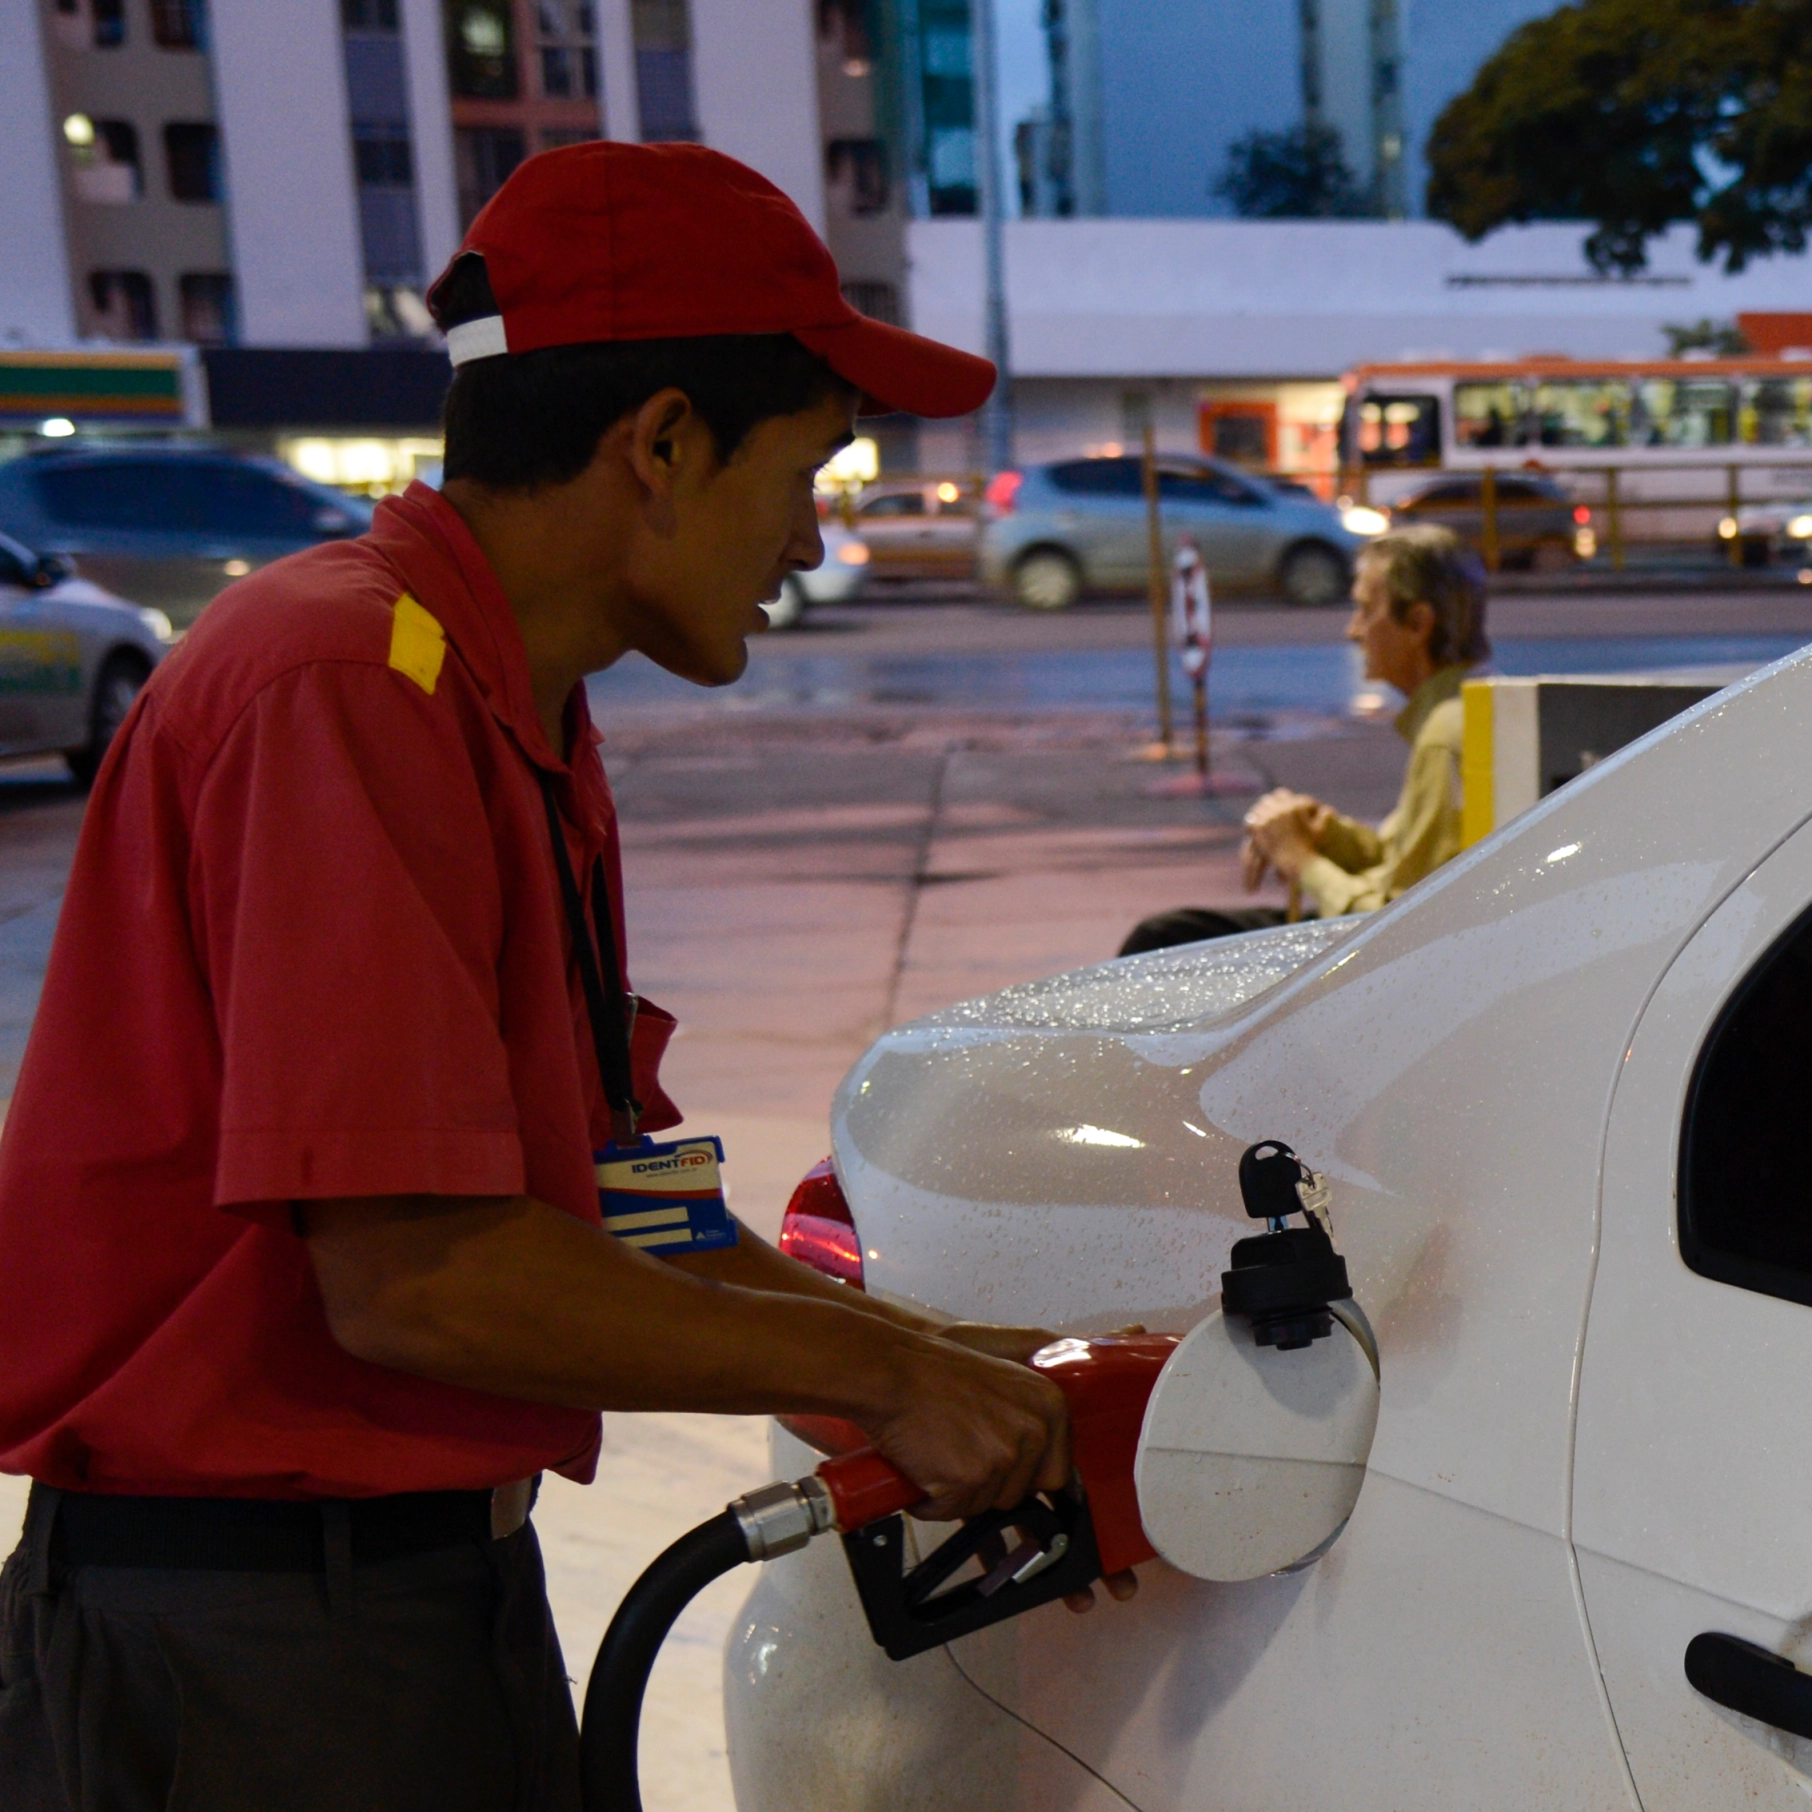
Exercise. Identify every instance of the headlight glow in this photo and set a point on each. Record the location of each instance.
(159, 624)
(1800, 528)
(853, 553)
(1362, 520)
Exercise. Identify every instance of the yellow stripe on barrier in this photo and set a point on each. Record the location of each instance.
(1478, 764)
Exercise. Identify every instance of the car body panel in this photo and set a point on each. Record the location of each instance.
(1244, 537)
(1531, 513)
(1450, 1063)
(54, 641)
(913, 533)
(1694, 1468)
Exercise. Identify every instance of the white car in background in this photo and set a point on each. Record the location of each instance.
(835, 580)
(72, 659)
(1560, 1093)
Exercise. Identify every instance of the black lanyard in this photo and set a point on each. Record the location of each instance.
(606, 1003)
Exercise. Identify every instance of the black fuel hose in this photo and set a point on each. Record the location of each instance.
(619, 1676)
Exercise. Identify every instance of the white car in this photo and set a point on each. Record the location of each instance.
(72, 659)
(835, 580)
(1560, 1091)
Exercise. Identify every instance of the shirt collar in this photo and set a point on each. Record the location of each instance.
(428, 543)
(1441, 685)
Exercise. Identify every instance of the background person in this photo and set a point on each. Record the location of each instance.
(1419, 616)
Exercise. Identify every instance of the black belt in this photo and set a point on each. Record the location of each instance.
(260, 1535)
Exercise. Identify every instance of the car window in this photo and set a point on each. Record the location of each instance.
(1206, 486)
(140, 494)
(1746, 1139)
(18, 565)
(1394, 430)
(182, 496)
(1461, 490)
(901, 503)
(1098, 477)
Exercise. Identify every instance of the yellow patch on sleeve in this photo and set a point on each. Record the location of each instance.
(418, 644)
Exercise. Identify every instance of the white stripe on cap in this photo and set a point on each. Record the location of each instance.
(480, 339)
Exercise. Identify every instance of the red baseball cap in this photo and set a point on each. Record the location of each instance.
(609, 241)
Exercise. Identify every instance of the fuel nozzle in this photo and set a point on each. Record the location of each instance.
(1283, 1279)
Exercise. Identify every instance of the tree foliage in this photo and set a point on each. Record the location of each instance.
(1635, 114)
(1294, 175)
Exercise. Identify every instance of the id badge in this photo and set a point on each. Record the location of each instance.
(665, 1198)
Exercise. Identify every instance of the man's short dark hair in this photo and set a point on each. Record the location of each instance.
(518, 421)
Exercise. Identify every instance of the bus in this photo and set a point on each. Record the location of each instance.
(1666, 449)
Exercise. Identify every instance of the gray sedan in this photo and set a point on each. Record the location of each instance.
(72, 659)
(1049, 532)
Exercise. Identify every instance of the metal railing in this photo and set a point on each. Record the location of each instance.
(1701, 506)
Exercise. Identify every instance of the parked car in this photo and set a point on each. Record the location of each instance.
(1539, 527)
(169, 526)
(1558, 1089)
(1770, 532)
(1049, 533)
(72, 659)
(919, 531)
(835, 580)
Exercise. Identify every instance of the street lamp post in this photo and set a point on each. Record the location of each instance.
(997, 413)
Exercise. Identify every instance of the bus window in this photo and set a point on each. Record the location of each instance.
(1775, 412)
(1581, 412)
(1485, 415)
(1399, 430)
(1681, 412)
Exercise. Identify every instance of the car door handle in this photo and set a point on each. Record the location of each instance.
(1755, 1681)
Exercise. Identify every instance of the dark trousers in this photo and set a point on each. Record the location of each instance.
(432, 1683)
(1191, 924)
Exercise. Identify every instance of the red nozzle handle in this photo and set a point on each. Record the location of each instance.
(863, 1488)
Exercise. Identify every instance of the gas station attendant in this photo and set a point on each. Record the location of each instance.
(303, 1276)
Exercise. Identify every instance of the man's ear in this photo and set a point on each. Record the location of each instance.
(1421, 619)
(664, 434)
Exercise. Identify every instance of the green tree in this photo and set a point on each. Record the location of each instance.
(1635, 114)
(1294, 175)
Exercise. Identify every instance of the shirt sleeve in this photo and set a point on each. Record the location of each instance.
(1421, 834)
(349, 918)
(1349, 844)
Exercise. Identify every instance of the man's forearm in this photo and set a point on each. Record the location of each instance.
(755, 1265)
(516, 1298)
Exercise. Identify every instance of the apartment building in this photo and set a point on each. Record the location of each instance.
(237, 173)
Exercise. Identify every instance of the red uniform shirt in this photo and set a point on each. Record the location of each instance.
(312, 946)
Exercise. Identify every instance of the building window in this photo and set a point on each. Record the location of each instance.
(856, 171)
(569, 59)
(663, 70)
(382, 155)
(555, 138)
(481, 50)
(845, 23)
(879, 301)
(109, 17)
(106, 157)
(192, 154)
(125, 305)
(485, 156)
(179, 24)
(369, 15)
(947, 84)
(209, 312)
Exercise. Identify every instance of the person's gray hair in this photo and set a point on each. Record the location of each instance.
(1423, 564)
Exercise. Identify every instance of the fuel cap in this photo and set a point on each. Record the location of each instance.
(1251, 1456)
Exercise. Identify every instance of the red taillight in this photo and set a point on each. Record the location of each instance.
(1000, 491)
(1582, 515)
(818, 1229)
